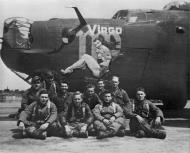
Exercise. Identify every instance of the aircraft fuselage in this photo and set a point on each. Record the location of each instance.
(153, 54)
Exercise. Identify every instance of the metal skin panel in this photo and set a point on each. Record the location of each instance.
(154, 55)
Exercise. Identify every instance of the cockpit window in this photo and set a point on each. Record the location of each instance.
(131, 16)
(17, 33)
(121, 14)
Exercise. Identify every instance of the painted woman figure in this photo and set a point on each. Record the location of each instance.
(99, 65)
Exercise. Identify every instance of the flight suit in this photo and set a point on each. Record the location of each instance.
(62, 102)
(28, 97)
(100, 92)
(121, 97)
(106, 111)
(92, 100)
(52, 89)
(148, 111)
(37, 114)
(61, 99)
(75, 118)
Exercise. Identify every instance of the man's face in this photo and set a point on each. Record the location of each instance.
(107, 98)
(77, 99)
(36, 85)
(140, 95)
(100, 85)
(44, 98)
(90, 91)
(49, 79)
(64, 87)
(115, 82)
(97, 43)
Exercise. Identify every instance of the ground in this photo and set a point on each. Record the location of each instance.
(177, 126)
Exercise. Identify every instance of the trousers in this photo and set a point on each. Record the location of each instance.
(34, 131)
(91, 63)
(135, 125)
(75, 129)
(115, 125)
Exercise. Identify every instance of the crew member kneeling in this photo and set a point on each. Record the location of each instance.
(37, 119)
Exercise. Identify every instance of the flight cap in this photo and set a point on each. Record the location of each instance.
(36, 79)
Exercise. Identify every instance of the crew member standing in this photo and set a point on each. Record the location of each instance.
(90, 97)
(121, 97)
(100, 88)
(32, 94)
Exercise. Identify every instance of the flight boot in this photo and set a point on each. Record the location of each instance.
(39, 134)
(158, 134)
(121, 133)
(92, 132)
(83, 135)
(150, 132)
(105, 134)
(140, 134)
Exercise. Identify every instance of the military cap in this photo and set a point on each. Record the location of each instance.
(36, 79)
(140, 89)
(49, 74)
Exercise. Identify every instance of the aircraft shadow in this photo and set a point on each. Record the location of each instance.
(6, 118)
(184, 113)
(185, 123)
(177, 118)
(17, 134)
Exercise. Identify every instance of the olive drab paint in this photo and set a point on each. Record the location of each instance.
(94, 31)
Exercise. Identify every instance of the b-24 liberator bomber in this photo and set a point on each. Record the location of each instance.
(150, 48)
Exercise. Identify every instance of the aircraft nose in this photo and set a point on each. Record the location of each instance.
(1, 41)
(16, 33)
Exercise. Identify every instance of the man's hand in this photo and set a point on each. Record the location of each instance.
(68, 130)
(84, 128)
(21, 126)
(112, 118)
(157, 122)
(44, 126)
(106, 121)
(72, 119)
(139, 118)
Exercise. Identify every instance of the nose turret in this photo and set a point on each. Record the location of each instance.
(17, 33)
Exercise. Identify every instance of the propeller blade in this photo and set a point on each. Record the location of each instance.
(81, 19)
(70, 34)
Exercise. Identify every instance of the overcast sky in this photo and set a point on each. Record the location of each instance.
(45, 9)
